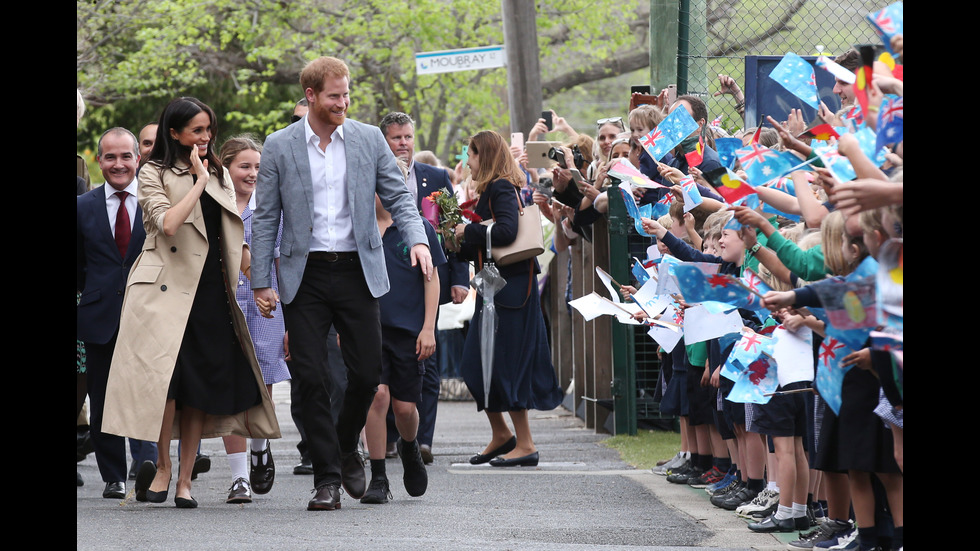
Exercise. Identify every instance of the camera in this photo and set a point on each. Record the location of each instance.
(556, 154)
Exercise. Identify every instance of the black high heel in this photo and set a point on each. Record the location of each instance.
(506, 447)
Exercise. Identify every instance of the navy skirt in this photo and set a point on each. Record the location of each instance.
(523, 375)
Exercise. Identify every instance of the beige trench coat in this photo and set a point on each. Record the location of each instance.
(159, 294)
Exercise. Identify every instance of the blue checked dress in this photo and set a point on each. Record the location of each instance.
(267, 334)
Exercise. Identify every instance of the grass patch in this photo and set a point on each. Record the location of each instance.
(646, 448)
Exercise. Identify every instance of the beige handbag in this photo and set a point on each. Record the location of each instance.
(530, 237)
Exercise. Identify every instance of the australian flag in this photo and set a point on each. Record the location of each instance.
(796, 75)
(888, 22)
(670, 132)
(762, 164)
(891, 121)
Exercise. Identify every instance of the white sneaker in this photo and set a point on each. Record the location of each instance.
(765, 500)
(675, 461)
(849, 541)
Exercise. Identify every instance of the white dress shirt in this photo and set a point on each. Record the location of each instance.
(333, 229)
(112, 204)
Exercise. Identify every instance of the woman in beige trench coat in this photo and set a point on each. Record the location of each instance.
(167, 332)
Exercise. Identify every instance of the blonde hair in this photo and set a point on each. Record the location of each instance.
(833, 237)
(647, 116)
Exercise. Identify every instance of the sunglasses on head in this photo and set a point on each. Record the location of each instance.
(613, 120)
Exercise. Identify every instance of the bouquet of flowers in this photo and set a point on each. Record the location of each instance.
(450, 213)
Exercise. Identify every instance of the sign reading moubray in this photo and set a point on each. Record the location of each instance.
(467, 59)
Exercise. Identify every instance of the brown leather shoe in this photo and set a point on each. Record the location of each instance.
(426, 451)
(352, 474)
(327, 498)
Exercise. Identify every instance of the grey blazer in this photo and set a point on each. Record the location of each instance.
(285, 184)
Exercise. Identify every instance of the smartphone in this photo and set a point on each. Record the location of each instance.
(640, 89)
(671, 94)
(546, 115)
(517, 140)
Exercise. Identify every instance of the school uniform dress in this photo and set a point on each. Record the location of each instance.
(267, 333)
(523, 376)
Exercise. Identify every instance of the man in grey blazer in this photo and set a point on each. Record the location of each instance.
(321, 173)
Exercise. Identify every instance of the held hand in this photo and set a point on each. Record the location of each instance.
(459, 230)
(673, 174)
(627, 291)
(459, 294)
(698, 176)
(651, 226)
(266, 299)
(560, 178)
(537, 130)
(423, 259)
(826, 115)
(285, 346)
(774, 300)
(748, 217)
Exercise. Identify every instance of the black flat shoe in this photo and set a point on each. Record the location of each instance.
(184, 503)
(506, 447)
(144, 477)
(530, 460)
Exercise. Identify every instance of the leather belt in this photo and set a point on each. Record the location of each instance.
(333, 256)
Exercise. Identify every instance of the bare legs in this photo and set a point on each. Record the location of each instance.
(191, 426)
(501, 433)
(376, 426)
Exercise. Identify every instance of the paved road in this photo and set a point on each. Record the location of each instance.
(581, 496)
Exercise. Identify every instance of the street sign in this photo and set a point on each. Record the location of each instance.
(467, 59)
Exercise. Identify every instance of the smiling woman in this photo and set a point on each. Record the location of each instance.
(184, 359)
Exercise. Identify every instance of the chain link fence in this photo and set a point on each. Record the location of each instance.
(721, 33)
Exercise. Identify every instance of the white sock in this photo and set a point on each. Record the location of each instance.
(257, 445)
(783, 512)
(239, 465)
(773, 485)
(799, 510)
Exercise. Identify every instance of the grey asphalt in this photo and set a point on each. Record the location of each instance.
(580, 496)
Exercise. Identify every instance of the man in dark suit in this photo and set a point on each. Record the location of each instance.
(454, 276)
(109, 236)
(320, 175)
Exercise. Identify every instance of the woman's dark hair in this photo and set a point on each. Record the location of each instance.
(176, 115)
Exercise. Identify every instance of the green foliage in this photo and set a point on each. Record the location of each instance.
(243, 58)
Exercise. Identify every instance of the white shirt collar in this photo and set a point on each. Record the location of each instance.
(309, 130)
(130, 189)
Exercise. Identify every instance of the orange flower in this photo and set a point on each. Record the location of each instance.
(434, 195)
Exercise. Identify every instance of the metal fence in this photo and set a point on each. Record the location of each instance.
(717, 35)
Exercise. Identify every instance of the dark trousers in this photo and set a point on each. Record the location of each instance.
(338, 376)
(110, 450)
(333, 293)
